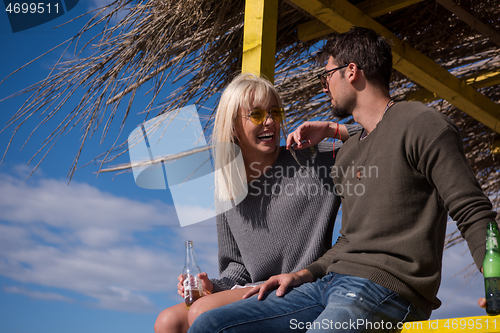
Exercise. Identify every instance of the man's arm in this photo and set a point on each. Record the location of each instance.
(441, 159)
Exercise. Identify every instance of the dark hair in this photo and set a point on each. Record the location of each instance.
(364, 47)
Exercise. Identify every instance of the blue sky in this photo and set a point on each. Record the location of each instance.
(101, 254)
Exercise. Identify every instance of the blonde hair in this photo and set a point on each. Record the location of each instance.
(243, 92)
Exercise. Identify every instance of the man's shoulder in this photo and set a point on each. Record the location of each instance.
(413, 109)
(419, 127)
(418, 115)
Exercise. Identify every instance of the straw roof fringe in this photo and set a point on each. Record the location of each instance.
(167, 41)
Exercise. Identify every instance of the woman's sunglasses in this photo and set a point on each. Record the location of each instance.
(259, 116)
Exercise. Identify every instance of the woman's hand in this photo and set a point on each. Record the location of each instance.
(208, 286)
(180, 285)
(312, 132)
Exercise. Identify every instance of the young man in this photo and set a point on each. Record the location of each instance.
(398, 181)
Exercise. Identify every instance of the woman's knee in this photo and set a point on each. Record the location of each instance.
(201, 305)
(173, 319)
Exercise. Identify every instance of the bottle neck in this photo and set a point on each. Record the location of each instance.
(190, 259)
(492, 237)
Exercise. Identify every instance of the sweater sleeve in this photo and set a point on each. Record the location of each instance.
(232, 271)
(319, 268)
(445, 165)
(352, 129)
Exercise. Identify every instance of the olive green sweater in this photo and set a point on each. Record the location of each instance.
(413, 172)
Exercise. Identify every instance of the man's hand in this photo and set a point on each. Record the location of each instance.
(311, 133)
(482, 302)
(282, 282)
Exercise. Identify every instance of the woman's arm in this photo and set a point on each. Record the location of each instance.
(232, 271)
(313, 132)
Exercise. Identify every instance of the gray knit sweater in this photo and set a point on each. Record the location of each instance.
(413, 172)
(285, 222)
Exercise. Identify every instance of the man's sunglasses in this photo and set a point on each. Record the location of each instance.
(259, 116)
(324, 76)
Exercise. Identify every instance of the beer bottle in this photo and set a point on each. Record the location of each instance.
(193, 288)
(491, 270)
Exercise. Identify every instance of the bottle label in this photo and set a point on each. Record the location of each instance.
(492, 237)
(192, 283)
(494, 242)
(492, 291)
(193, 289)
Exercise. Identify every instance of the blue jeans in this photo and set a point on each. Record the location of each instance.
(335, 303)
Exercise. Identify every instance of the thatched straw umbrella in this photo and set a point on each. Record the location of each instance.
(200, 41)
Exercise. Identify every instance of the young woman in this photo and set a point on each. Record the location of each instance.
(286, 219)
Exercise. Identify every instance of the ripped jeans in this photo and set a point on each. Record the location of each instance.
(335, 303)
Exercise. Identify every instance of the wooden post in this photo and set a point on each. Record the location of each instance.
(259, 37)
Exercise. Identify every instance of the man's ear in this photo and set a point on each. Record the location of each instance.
(354, 74)
(352, 71)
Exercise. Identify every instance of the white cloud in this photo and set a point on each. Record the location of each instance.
(100, 237)
(23, 171)
(13, 238)
(76, 205)
(111, 250)
(121, 298)
(37, 294)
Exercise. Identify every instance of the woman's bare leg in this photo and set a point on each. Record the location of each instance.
(177, 318)
(173, 320)
(214, 301)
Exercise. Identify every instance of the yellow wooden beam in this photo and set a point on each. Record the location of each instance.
(373, 8)
(484, 79)
(341, 15)
(495, 149)
(477, 81)
(480, 324)
(259, 37)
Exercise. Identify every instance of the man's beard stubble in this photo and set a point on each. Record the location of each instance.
(340, 112)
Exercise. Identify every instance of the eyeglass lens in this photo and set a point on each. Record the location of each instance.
(323, 76)
(258, 116)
